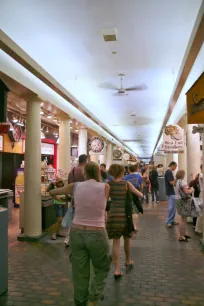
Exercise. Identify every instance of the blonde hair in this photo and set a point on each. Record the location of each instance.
(180, 175)
(92, 171)
(116, 171)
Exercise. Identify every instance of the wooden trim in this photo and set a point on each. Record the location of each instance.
(193, 48)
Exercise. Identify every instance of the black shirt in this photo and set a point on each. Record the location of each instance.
(169, 178)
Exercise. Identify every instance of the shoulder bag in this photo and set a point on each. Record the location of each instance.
(69, 216)
(129, 210)
(183, 195)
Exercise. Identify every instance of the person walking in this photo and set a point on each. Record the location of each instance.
(183, 204)
(170, 192)
(88, 237)
(153, 176)
(60, 209)
(76, 175)
(117, 221)
(136, 181)
(146, 186)
(199, 222)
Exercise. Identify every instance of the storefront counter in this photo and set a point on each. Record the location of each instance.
(48, 212)
(162, 189)
(6, 201)
(3, 250)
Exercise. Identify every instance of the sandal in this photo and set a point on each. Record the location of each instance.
(118, 276)
(188, 237)
(60, 235)
(183, 239)
(129, 265)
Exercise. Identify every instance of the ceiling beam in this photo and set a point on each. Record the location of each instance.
(192, 50)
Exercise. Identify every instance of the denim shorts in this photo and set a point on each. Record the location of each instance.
(60, 210)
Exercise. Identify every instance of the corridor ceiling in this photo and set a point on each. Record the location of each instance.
(65, 37)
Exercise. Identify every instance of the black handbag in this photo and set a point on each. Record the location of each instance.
(183, 195)
(128, 210)
(137, 203)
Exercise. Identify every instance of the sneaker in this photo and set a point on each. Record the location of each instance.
(168, 225)
(175, 223)
(66, 242)
(53, 237)
(157, 201)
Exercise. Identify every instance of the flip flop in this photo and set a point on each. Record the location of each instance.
(118, 276)
(181, 239)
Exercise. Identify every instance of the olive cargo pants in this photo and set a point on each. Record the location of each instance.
(89, 246)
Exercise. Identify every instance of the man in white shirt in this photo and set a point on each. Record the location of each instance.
(199, 223)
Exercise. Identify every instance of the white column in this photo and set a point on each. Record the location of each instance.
(182, 157)
(94, 158)
(169, 159)
(103, 157)
(64, 144)
(203, 181)
(32, 191)
(193, 153)
(109, 155)
(83, 139)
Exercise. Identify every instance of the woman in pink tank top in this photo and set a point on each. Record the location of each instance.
(88, 237)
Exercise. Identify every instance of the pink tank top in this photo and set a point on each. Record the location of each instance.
(90, 204)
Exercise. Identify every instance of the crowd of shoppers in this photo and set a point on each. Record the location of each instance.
(186, 199)
(105, 205)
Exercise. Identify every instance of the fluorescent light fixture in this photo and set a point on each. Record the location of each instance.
(42, 112)
(20, 123)
(15, 120)
(57, 141)
(47, 130)
(55, 119)
(11, 127)
(49, 116)
(76, 131)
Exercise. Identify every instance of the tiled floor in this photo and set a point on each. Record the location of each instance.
(165, 273)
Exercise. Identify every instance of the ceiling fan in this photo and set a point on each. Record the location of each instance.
(122, 91)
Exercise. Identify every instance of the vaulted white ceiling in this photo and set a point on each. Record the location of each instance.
(65, 38)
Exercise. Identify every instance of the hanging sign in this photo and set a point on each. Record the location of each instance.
(195, 102)
(126, 156)
(46, 148)
(96, 145)
(173, 139)
(1, 142)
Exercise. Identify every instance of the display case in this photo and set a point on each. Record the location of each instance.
(48, 175)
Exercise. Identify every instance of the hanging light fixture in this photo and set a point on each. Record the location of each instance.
(42, 135)
(42, 112)
(57, 141)
(49, 116)
(55, 119)
(20, 122)
(15, 120)
(47, 130)
(11, 126)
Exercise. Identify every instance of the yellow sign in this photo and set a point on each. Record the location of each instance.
(195, 102)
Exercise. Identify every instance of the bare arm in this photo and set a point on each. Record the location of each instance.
(107, 191)
(62, 191)
(187, 190)
(172, 182)
(134, 190)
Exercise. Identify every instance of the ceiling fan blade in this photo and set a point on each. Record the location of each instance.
(136, 88)
(107, 85)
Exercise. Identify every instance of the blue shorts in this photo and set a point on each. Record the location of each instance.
(60, 210)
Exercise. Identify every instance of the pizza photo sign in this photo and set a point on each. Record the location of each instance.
(96, 145)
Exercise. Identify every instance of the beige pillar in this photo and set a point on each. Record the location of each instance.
(182, 157)
(103, 157)
(169, 159)
(64, 144)
(83, 139)
(193, 153)
(94, 158)
(32, 192)
(109, 155)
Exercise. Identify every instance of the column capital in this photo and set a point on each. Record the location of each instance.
(31, 97)
(64, 116)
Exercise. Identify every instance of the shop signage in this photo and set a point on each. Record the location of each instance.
(173, 139)
(126, 156)
(1, 142)
(96, 145)
(117, 154)
(46, 148)
(195, 102)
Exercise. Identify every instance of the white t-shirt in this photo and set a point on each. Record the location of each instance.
(179, 184)
(200, 183)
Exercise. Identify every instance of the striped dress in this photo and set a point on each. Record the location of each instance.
(117, 223)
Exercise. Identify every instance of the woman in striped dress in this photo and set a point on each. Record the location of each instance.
(117, 222)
